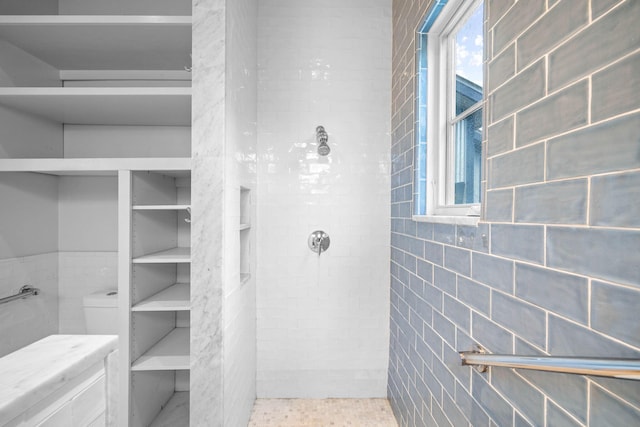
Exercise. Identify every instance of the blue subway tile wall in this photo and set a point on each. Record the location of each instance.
(571, 293)
(524, 397)
(569, 391)
(607, 409)
(553, 266)
(559, 418)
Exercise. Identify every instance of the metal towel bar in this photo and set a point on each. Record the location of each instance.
(25, 291)
(602, 367)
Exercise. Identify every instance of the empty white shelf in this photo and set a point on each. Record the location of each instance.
(144, 106)
(161, 207)
(175, 413)
(174, 298)
(102, 42)
(170, 353)
(174, 255)
(97, 166)
(244, 227)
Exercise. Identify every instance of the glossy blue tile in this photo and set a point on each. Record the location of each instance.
(603, 253)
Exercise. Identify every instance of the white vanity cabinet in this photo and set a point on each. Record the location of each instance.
(95, 88)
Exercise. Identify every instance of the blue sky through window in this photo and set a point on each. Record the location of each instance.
(469, 42)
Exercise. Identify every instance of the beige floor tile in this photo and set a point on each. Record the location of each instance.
(322, 413)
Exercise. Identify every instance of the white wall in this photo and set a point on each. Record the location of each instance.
(19, 68)
(88, 232)
(27, 320)
(29, 214)
(29, 207)
(32, 7)
(90, 141)
(240, 170)
(59, 235)
(23, 135)
(323, 321)
(125, 7)
(81, 274)
(88, 213)
(28, 245)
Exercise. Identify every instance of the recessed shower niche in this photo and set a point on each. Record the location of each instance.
(245, 234)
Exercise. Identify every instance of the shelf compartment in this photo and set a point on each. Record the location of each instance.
(169, 354)
(97, 166)
(102, 42)
(173, 298)
(173, 255)
(161, 207)
(140, 106)
(175, 412)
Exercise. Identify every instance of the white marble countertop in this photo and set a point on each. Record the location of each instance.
(35, 371)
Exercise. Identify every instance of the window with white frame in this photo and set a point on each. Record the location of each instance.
(449, 108)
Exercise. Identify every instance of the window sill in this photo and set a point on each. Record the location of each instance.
(448, 219)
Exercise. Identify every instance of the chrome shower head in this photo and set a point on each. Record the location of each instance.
(322, 137)
(323, 149)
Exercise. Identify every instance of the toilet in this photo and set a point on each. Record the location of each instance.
(101, 312)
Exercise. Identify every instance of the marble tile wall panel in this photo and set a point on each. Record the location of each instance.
(207, 196)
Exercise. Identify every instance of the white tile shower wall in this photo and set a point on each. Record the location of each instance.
(27, 320)
(240, 170)
(82, 273)
(322, 321)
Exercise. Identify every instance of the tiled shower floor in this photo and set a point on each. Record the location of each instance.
(322, 413)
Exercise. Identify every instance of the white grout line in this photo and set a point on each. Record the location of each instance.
(589, 98)
(546, 319)
(588, 415)
(589, 302)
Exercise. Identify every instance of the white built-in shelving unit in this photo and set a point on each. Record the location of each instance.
(102, 42)
(93, 166)
(155, 214)
(174, 298)
(137, 106)
(161, 207)
(170, 353)
(117, 64)
(175, 412)
(172, 255)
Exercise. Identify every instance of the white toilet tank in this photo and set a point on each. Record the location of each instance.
(101, 312)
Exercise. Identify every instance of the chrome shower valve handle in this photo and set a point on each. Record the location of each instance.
(319, 241)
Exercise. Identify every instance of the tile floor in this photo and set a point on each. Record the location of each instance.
(322, 413)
